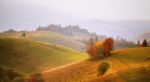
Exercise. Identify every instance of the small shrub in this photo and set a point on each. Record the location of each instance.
(102, 68)
(23, 34)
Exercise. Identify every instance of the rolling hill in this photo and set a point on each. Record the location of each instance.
(50, 37)
(28, 56)
(127, 65)
(140, 74)
(77, 42)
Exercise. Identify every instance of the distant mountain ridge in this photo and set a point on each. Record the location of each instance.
(144, 36)
(123, 28)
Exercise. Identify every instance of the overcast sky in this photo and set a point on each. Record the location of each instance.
(31, 13)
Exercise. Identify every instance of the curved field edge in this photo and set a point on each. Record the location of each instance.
(30, 56)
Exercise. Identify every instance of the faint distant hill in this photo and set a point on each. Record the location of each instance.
(143, 36)
(122, 28)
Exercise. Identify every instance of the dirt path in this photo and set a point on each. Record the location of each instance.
(60, 67)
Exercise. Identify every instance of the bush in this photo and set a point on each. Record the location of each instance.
(23, 34)
(103, 67)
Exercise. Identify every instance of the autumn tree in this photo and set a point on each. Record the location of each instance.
(98, 49)
(108, 46)
(91, 49)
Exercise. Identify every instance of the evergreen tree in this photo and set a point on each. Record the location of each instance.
(145, 43)
(138, 43)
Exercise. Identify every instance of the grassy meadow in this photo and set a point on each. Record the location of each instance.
(30, 56)
(122, 63)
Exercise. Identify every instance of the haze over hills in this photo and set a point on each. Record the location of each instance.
(28, 15)
(126, 28)
(143, 36)
(114, 29)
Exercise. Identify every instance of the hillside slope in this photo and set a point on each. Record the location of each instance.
(50, 37)
(30, 56)
(86, 71)
(140, 74)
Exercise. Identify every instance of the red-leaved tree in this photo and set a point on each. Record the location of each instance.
(108, 46)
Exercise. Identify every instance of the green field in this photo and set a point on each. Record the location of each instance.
(28, 56)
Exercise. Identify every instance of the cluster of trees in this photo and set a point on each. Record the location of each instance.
(68, 30)
(10, 31)
(71, 30)
(97, 49)
(143, 44)
(121, 43)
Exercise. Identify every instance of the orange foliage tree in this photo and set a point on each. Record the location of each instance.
(92, 49)
(95, 51)
(108, 46)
